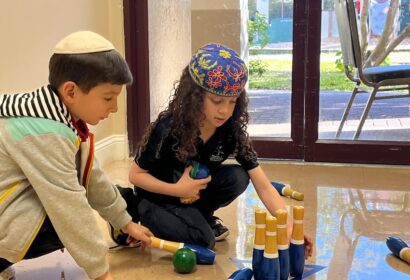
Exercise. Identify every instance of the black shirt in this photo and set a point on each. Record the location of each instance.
(164, 166)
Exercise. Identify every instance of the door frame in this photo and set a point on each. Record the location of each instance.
(137, 56)
(291, 147)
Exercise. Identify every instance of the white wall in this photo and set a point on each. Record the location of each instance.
(29, 30)
(169, 48)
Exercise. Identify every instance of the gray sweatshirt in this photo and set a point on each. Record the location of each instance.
(39, 176)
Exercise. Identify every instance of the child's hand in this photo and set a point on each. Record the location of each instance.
(190, 200)
(138, 232)
(188, 187)
(308, 246)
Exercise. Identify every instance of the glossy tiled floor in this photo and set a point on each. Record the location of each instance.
(349, 212)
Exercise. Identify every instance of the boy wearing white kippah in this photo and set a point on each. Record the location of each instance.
(49, 178)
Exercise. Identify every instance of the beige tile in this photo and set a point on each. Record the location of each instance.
(388, 177)
(285, 172)
(331, 175)
(118, 172)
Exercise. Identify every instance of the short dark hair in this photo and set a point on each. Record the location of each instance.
(89, 70)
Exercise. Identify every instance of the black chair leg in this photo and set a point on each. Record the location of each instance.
(346, 111)
(365, 113)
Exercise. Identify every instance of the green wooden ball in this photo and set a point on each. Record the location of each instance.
(184, 260)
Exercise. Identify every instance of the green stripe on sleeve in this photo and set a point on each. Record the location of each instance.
(25, 126)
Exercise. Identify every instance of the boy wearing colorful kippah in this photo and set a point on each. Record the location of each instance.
(49, 178)
(205, 122)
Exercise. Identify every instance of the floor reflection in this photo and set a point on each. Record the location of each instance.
(351, 230)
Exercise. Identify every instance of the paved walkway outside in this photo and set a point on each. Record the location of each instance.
(388, 119)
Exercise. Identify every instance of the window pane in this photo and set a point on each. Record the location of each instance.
(270, 65)
(388, 119)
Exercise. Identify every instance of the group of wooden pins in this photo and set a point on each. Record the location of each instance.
(273, 258)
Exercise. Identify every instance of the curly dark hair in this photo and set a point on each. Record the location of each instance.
(185, 103)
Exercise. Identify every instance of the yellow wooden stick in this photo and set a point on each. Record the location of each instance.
(298, 233)
(282, 216)
(271, 243)
(260, 217)
(289, 192)
(169, 246)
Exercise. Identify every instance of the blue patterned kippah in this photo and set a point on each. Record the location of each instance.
(219, 70)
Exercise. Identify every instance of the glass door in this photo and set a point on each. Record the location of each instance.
(385, 135)
(270, 65)
(276, 35)
(388, 119)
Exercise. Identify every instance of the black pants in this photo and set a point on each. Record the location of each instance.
(189, 223)
(46, 241)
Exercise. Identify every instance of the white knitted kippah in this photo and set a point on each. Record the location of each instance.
(83, 42)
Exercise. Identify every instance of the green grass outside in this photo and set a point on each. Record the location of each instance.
(278, 77)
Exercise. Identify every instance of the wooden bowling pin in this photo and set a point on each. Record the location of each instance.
(297, 244)
(397, 264)
(203, 255)
(241, 274)
(399, 248)
(286, 190)
(283, 245)
(270, 263)
(259, 242)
